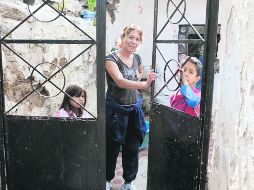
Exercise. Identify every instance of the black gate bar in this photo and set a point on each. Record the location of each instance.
(2, 128)
(212, 10)
(155, 27)
(100, 57)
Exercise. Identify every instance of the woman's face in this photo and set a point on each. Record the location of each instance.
(131, 41)
(80, 99)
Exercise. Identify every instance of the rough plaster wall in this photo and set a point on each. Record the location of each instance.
(232, 164)
(17, 73)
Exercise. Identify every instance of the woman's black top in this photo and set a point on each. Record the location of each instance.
(121, 95)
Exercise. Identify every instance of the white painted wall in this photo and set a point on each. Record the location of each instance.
(128, 13)
(232, 161)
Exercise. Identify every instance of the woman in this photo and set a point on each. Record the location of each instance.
(125, 123)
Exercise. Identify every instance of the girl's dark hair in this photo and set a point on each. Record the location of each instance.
(73, 90)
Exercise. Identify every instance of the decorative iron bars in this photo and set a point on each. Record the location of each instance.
(174, 25)
(46, 70)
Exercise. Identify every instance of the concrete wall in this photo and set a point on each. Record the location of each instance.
(232, 158)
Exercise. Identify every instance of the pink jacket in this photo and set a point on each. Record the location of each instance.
(63, 113)
(182, 103)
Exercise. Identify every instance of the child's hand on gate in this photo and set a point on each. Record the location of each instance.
(182, 77)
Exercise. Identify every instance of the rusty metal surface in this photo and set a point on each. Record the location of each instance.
(173, 159)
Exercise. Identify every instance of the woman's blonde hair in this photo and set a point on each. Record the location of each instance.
(133, 27)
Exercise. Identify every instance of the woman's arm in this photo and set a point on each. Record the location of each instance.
(117, 76)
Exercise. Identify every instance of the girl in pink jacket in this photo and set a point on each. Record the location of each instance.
(73, 103)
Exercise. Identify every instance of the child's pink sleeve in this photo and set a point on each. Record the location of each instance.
(62, 113)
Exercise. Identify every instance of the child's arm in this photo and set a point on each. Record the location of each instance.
(191, 98)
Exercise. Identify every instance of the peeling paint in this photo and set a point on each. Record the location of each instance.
(252, 89)
(216, 158)
(14, 13)
(233, 133)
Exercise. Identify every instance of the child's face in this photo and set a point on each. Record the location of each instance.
(80, 99)
(190, 73)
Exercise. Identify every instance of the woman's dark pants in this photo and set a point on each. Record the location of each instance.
(130, 150)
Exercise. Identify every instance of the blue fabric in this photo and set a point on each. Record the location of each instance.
(140, 119)
(191, 98)
(117, 118)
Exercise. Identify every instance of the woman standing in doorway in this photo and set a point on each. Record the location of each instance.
(125, 123)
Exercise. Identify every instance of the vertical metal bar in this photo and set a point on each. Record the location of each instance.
(100, 57)
(212, 10)
(149, 185)
(154, 43)
(2, 127)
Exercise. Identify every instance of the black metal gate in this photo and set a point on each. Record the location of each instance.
(48, 153)
(178, 149)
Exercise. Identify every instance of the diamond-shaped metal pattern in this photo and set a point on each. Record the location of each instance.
(5, 42)
(170, 74)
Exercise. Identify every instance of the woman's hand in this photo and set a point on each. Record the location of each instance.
(151, 77)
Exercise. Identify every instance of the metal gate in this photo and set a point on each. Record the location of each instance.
(178, 149)
(42, 152)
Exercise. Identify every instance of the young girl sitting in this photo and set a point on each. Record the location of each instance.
(187, 99)
(70, 108)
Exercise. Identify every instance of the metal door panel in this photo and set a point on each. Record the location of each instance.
(51, 154)
(178, 149)
(173, 150)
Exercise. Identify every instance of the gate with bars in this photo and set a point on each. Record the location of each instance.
(178, 147)
(41, 151)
